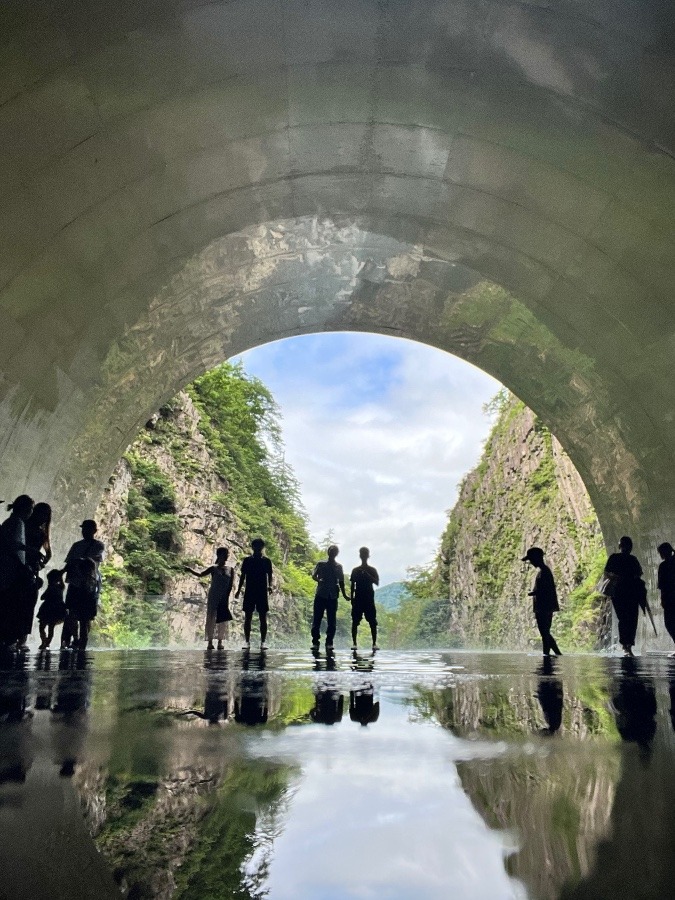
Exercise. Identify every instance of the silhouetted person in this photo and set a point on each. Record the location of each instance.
(627, 591)
(634, 701)
(16, 742)
(216, 700)
(81, 602)
(330, 580)
(52, 611)
(217, 602)
(17, 580)
(251, 706)
(70, 711)
(38, 554)
(84, 585)
(666, 586)
(328, 706)
(544, 599)
(256, 577)
(363, 707)
(362, 595)
(550, 696)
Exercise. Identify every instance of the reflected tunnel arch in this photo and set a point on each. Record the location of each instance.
(184, 181)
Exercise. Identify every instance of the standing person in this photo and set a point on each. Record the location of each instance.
(627, 591)
(217, 602)
(38, 554)
(52, 611)
(84, 585)
(666, 586)
(544, 599)
(81, 602)
(16, 577)
(362, 595)
(330, 580)
(256, 578)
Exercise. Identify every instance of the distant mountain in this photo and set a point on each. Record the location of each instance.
(390, 595)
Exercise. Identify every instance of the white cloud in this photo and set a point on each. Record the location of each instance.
(379, 432)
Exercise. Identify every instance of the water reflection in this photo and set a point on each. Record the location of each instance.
(191, 775)
(550, 696)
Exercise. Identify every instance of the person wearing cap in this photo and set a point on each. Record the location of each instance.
(84, 584)
(544, 599)
(666, 586)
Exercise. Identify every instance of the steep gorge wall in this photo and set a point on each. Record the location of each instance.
(174, 450)
(524, 492)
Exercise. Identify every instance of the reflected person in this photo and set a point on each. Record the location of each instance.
(330, 580)
(363, 707)
(634, 702)
(362, 581)
(328, 706)
(544, 599)
(627, 586)
(666, 586)
(251, 706)
(550, 696)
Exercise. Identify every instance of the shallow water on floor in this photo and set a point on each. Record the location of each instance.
(400, 775)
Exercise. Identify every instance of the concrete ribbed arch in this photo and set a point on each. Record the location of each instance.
(498, 175)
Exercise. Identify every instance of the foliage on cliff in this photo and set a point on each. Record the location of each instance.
(239, 477)
(523, 492)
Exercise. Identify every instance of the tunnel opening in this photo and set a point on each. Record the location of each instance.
(385, 436)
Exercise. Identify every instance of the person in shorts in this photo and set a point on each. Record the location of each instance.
(362, 595)
(256, 579)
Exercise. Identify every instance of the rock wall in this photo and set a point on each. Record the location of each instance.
(524, 492)
(182, 454)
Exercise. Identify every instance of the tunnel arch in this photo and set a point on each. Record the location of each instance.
(182, 181)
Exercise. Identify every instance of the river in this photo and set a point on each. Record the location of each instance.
(400, 776)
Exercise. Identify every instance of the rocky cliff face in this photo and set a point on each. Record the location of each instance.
(524, 492)
(173, 453)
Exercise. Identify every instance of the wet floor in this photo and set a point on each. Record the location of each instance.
(422, 775)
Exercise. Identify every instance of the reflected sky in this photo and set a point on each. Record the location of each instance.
(380, 812)
(175, 774)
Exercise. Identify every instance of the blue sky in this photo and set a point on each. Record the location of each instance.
(379, 432)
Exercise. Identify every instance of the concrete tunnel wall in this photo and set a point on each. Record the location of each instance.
(183, 180)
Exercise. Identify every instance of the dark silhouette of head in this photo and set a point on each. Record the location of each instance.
(41, 515)
(221, 554)
(364, 553)
(89, 529)
(665, 550)
(535, 556)
(625, 544)
(22, 506)
(332, 551)
(257, 545)
(55, 578)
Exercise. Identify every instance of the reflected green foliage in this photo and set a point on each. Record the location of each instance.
(227, 834)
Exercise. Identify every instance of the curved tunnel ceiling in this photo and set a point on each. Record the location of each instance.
(184, 180)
